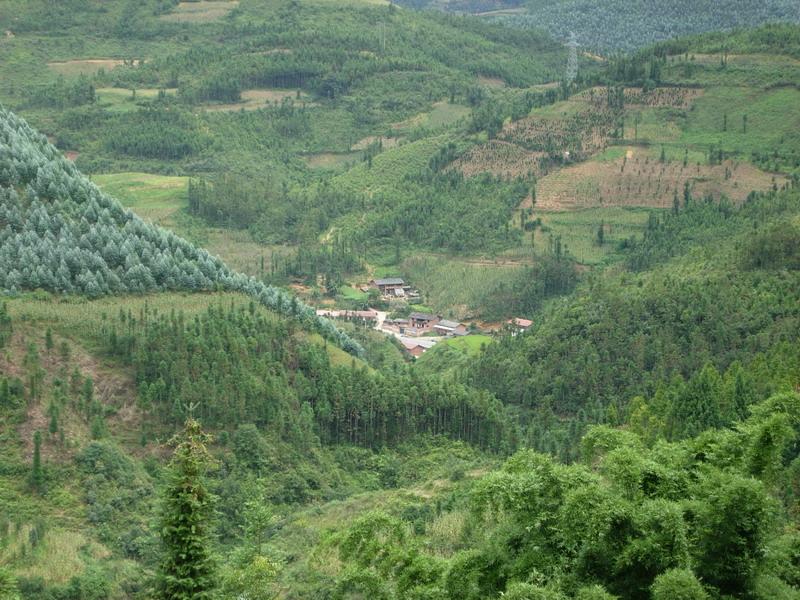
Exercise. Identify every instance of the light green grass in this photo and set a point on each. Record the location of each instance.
(153, 197)
(578, 231)
(773, 119)
(454, 286)
(350, 293)
(442, 115)
(123, 100)
(390, 167)
(201, 11)
(452, 353)
(332, 160)
(162, 200)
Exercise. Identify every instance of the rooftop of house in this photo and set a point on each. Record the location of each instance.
(445, 324)
(520, 322)
(389, 281)
(418, 343)
(416, 316)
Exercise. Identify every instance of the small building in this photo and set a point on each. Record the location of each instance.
(423, 321)
(417, 348)
(519, 325)
(388, 286)
(448, 328)
(366, 315)
(397, 325)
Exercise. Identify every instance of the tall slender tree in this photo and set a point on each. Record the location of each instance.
(187, 570)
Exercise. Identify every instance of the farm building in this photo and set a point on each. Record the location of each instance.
(446, 327)
(397, 325)
(519, 325)
(392, 286)
(417, 348)
(423, 320)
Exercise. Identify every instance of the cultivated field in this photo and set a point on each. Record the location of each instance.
(201, 11)
(255, 99)
(454, 286)
(442, 114)
(85, 66)
(638, 178)
(501, 159)
(578, 231)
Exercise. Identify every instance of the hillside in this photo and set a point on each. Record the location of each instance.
(615, 26)
(67, 236)
(314, 145)
(188, 190)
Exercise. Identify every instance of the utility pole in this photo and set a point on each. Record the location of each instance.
(572, 60)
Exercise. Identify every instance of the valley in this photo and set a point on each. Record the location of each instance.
(345, 300)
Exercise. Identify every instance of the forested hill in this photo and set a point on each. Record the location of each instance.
(61, 233)
(614, 25)
(709, 290)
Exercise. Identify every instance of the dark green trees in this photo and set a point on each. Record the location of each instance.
(187, 569)
(37, 476)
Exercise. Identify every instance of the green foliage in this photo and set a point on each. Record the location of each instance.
(187, 569)
(616, 26)
(627, 521)
(119, 253)
(775, 248)
(678, 584)
(645, 335)
(298, 394)
(8, 585)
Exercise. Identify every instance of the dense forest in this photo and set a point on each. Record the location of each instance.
(616, 26)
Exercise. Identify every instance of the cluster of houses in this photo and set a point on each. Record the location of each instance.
(419, 324)
(420, 331)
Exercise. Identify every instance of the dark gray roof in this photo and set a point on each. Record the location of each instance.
(389, 281)
(421, 316)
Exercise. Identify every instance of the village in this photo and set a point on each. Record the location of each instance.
(419, 331)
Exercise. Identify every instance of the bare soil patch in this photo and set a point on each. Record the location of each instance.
(639, 179)
(581, 134)
(386, 142)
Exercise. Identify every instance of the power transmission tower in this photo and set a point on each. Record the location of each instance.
(572, 61)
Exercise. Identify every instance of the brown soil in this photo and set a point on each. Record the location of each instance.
(638, 179)
(501, 159)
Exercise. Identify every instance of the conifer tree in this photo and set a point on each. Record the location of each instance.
(37, 477)
(187, 569)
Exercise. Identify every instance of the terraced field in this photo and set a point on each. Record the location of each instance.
(638, 178)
